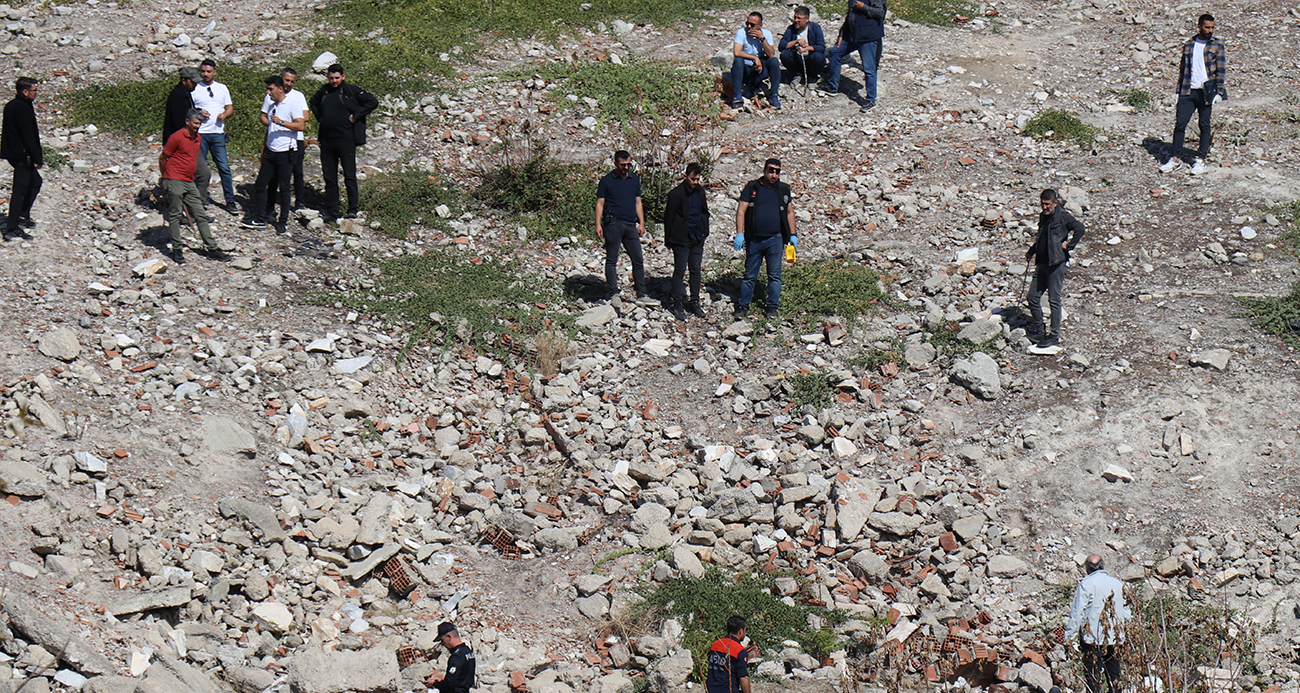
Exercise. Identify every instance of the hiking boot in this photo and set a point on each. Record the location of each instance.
(1169, 166)
(176, 253)
(867, 106)
(216, 254)
(827, 89)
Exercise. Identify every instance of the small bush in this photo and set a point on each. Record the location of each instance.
(54, 159)
(528, 180)
(945, 341)
(812, 388)
(872, 359)
(1138, 99)
(703, 605)
(447, 296)
(1288, 212)
(1275, 315)
(404, 198)
(932, 12)
(1056, 124)
(136, 108)
(640, 88)
(813, 290)
(1170, 640)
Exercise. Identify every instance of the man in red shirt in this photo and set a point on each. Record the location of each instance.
(177, 162)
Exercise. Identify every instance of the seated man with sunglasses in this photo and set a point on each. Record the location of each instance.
(754, 61)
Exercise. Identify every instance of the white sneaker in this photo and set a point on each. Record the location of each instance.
(1198, 168)
(1169, 166)
(1052, 350)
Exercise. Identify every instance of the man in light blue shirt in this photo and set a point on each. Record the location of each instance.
(1097, 618)
(754, 60)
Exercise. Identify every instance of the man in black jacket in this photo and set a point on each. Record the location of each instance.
(20, 145)
(863, 31)
(459, 676)
(342, 109)
(1058, 233)
(179, 102)
(686, 225)
(764, 226)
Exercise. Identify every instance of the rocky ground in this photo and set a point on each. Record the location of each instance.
(216, 485)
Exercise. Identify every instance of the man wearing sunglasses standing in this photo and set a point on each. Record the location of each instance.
(764, 225)
(213, 98)
(20, 145)
(620, 222)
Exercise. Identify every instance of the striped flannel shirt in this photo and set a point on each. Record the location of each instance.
(1216, 66)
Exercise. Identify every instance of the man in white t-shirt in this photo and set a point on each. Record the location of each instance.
(1202, 82)
(284, 121)
(213, 98)
(296, 98)
(754, 60)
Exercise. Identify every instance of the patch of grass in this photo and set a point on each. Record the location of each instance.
(1058, 124)
(406, 198)
(811, 290)
(528, 180)
(872, 359)
(638, 89)
(395, 43)
(1287, 211)
(933, 12)
(54, 159)
(1275, 315)
(812, 388)
(1138, 99)
(448, 296)
(136, 108)
(703, 606)
(945, 341)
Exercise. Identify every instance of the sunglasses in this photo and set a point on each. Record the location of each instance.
(210, 94)
(769, 169)
(625, 164)
(750, 24)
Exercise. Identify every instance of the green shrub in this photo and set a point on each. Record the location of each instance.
(812, 388)
(404, 198)
(1138, 99)
(872, 359)
(1057, 124)
(136, 108)
(933, 12)
(945, 341)
(447, 295)
(638, 89)
(528, 180)
(703, 605)
(1275, 315)
(54, 159)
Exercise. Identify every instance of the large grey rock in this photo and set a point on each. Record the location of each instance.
(858, 498)
(248, 679)
(588, 585)
(657, 537)
(21, 479)
(369, 563)
(374, 520)
(60, 344)
(47, 415)
(224, 436)
(260, 516)
(109, 684)
(558, 538)
(596, 316)
(979, 374)
(169, 674)
(612, 683)
(920, 355)
(148, 601)
(734, 505)
(360, 671)
(898, 523)
(1006, 566)
(868, 564)
(594, 607)
(670, 673)
(968, 528)
(980, 331)
(648, 515)
(1035, 677)
(688, 564)
(27, 621)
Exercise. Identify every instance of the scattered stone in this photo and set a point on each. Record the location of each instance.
(60, 344)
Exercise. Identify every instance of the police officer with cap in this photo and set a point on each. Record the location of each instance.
(459, 677)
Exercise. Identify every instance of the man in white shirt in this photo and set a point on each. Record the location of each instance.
(754, 60)
(213, 98)
(296, 98)
(1097, 618)
(1202, 82)
(283, 121)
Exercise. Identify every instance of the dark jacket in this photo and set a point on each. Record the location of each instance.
(677, 217)
(179, 101)
(20, 141)
(816, 38)
(1053, 230)
(1216, 68)
(333, 106)
(783, 192)
(460, 671)
(866, 24)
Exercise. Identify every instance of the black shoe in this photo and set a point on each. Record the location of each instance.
(251, 223)
(1050, 340)
(350, 215)
(176, 253)
(231, 208)
(281, 228)
(1034, 334)
(826, 89)
(770, 313)
(696, 310)
(867, 106)
(27, 223)
(740, 312)
(216, 254)
(678, 313)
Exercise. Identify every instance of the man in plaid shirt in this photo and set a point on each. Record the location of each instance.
(1201, 84)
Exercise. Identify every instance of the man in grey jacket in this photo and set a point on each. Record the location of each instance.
(1097, 618)
(1058, 233)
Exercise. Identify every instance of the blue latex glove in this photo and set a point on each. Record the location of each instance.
(738, 242)
(794, 241)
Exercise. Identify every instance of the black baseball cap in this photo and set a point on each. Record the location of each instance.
(444, 628)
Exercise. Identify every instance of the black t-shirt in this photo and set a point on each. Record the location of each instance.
(460, 671)
(620, 196)
(766, 203)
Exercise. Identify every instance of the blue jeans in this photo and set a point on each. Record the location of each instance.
(215, 142)
(756, 251)
(744, 76)
(1049, 278)
(869, 52)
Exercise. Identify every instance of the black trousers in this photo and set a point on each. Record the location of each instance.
(1099, 660)
(27, 183)
(1202, 105)
(277, 166)
(620, 234)
(334, 153)
(273, 188)
(1049, 278)
(687, 257)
